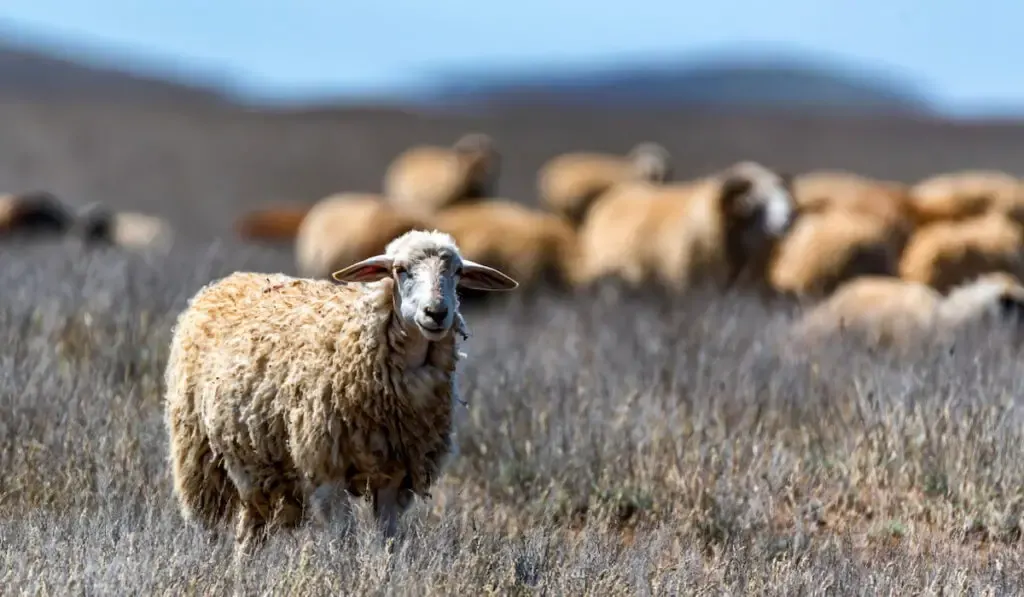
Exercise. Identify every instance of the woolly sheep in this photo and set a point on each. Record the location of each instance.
(826, 190)
(967, 193)
(720, 226)
(345, 228)
(888, 311)
(530, 245)
(282, 389)
(826, 248)
(568, 184)
(426, 178)
(275, 223)
(35, 212)
(944, 254)
(99, 224)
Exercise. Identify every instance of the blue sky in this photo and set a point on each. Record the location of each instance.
(967, 54)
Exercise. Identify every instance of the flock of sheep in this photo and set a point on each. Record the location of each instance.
(855, 248)
(285, 393)
(41, 214)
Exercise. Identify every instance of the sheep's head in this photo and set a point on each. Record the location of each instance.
(426, 268)
(758, 199)
(994, 294)
(484, 161)
(651, 162)
(33, 212)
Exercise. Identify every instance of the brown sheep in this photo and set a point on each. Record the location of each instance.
(965, 194)
(100, 225)
(530, 245)
(568, 184)
(426, 178)
(820, 190)
(281, 391)
(945, 254)
(345, 228)
(824, 249)
(34, 213)
(888, 311)
(721, 226)
(275, 224)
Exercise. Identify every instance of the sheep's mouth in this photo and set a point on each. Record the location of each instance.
(431, 331)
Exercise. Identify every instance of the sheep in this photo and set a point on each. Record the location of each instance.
(532, 246)
(822, 190)
(720, 226)
(282, 389)
(98, 224)
(568, 184)
(275, 224)
(824, 249)
(944, 254)
(348, 227)
(965, 194)
(887, 311)
(34, 213)
(426, 178)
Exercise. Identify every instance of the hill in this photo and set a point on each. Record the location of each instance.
(33, 74)
(732, 83)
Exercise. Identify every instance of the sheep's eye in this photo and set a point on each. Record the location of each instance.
(400, 270)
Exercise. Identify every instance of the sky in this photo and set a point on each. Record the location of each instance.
(965, 53)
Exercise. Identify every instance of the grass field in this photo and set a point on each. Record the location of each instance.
(613, 444)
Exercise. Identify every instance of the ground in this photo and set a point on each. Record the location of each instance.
(614, 443)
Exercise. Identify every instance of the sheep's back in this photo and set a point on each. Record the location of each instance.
(425, 179)
(256, 349)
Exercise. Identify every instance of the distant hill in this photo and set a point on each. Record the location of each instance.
(743, 84)
(31, 73)
(35, 74)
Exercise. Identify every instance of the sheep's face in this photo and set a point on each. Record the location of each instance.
(426, 273)
(651, 162)
(760, 202)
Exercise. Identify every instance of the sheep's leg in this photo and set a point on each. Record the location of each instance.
(389, 503)
(386, 509)
(326, 500)
(250, 533)
(269, 501)
(286, 502)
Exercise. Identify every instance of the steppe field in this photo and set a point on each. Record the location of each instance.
(614, 444)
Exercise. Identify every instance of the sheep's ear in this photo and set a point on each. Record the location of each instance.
(367, 270)
(481, 277)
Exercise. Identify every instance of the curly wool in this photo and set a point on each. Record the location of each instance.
(279, 385)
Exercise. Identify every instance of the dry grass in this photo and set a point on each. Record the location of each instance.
(614, 444)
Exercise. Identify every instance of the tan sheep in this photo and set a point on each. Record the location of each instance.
(345, 228)
(827, 248)
(281, 390)
(34, 213)
(275, 224)
(426, 178)
(719, 227)
(821, 190)
(98, 224)
(569, 183)
(965, 194)
(530, 245)
(888, 311)
(945, 254)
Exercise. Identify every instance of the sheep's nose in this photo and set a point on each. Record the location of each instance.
(436, 314)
